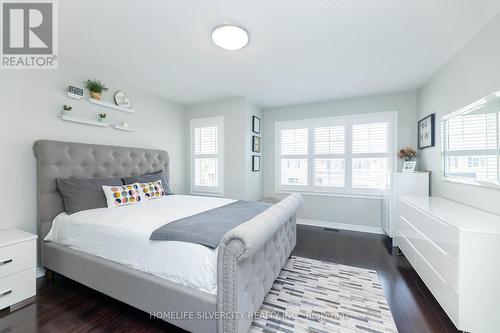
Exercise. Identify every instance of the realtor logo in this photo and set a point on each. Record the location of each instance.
(29, 36)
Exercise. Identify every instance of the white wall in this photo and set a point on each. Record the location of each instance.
(31, 100)
(355, 211)
(473, 73)
(239, 182)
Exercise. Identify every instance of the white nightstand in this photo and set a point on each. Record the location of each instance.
(17, 268)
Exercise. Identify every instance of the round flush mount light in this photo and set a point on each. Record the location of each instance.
(230, 37)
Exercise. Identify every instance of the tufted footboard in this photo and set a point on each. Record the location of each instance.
(250, 258)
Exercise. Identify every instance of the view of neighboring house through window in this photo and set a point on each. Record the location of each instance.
(347, 154)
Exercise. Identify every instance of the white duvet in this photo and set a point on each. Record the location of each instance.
(121, 234)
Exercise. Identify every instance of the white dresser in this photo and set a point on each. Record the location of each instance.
(455, 250)
(17, 268)
(402, 183)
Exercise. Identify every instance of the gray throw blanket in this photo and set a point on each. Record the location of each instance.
(209, 227)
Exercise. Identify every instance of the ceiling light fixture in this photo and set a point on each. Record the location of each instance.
(230, 37)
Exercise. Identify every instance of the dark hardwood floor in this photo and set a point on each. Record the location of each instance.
(66, 306)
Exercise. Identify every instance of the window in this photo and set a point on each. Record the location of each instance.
(471, 143)
(345, 155)
(207, 155)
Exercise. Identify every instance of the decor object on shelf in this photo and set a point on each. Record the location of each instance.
(66, 110)
(124, 124)
(256, 143)
(256, 124)
(111, 106)
(95, 88)
(409, 166)
(122, 100)
(102, 117)
(75, 92)
(83, 121)
(122, 128)
(426, 137)
(255, 163)
(407, 153)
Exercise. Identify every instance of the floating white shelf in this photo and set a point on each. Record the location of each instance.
(83, 121)
(121, 128)
(111, 106)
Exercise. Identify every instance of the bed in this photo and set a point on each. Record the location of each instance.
(220, 297)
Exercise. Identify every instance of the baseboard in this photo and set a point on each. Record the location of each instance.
(341, 226)
(40, 271)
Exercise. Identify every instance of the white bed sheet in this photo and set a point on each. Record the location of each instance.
(121, 234)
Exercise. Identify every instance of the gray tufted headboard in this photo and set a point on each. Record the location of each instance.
(56, 159)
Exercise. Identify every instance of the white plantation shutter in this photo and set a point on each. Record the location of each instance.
(369, 152)
(294, 141)
(350, 154)
(294, 163)
(471, 144)
(206, 155)
(370, 138)
(329, 159)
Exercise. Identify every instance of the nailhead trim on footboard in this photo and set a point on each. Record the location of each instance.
(250, 259)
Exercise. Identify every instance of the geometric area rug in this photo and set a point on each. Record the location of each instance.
(320, 297)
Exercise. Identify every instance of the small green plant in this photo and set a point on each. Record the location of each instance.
(95, 86)
(102, 115)
(67, 108)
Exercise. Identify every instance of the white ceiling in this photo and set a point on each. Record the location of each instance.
(299, 51)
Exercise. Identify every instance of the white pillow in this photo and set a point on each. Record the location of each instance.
(117, 196)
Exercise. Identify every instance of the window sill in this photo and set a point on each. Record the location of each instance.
(374, 196)
(471, 182)
(207, 194)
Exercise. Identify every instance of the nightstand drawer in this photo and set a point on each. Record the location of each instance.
(17, 287)
(18, 257)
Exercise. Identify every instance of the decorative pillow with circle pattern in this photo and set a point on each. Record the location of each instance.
(153, 190)
(117, 196)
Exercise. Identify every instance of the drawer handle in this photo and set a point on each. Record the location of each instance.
(5, 293)
(5, 262)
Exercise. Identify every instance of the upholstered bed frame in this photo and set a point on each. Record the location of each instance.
(249, 256)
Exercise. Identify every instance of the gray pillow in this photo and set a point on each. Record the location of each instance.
(150, 177)
(81, 194)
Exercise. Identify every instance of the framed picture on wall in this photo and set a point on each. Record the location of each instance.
(426, 129)
(255, 163)
(256, 124)
(256, 144)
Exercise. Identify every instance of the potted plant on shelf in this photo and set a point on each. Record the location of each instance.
(407, 153)
(66, 111)
(95, 88)
(102, 117)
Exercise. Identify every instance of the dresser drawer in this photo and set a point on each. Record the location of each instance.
(441, 234)
(17, 287)
(17, 257)
(445, 266)
(445, 295)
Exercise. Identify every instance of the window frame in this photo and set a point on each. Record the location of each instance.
(391, 117)
(472, 152)
(208, 122)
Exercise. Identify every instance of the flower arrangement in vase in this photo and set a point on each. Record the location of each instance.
(407, 153)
